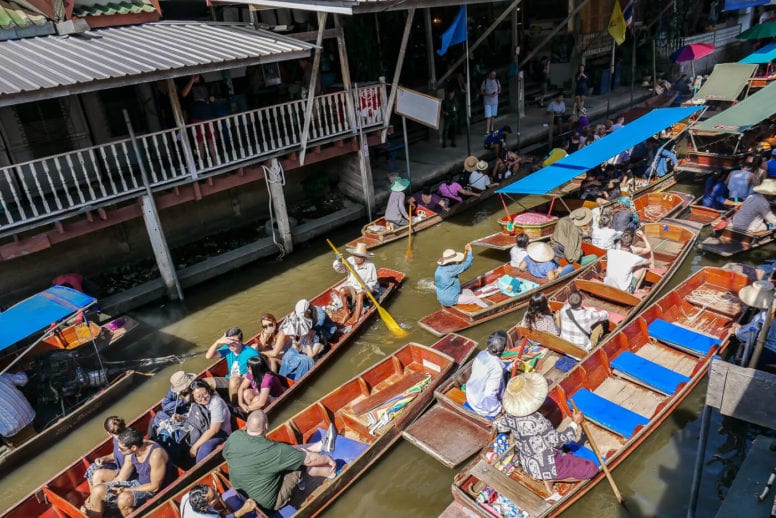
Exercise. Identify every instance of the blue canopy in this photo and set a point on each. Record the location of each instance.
(36, 313)
(547, 179)
(733, 5)
(761, 56)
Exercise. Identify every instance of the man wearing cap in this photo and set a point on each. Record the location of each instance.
(577, 322)
(567, 237)
(351, 289)
(231, 347)
(540, 262)
(395, 212)
(758, 295)
(755, 214)
(485, 385)
(448, 285)
(537, 443)
(479, 179)
(176, 401)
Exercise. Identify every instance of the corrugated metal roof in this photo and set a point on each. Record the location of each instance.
(50, 66)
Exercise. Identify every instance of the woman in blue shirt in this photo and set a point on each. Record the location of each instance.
(448, 285)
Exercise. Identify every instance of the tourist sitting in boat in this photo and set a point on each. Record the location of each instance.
(209, 420)
(231, 347)
(541, 263)
(626, 243)
(351, 292)
(259, 387)
(426, 199)
(611, 192)
(267, 471)
(621, 266)
(715, 191)
(144, 459)
(604, 235)
(537, 443)
(266, 341)
(396, 214)
(567, 237)
(642, 155)
(479, 179)
(665, 162)
(175, 404)
(16, 413)
(556, 154)
(755, 214)
(203, 501)
(740, 182)
(520, 251)
(107, 467)
(485, 385)
(507, 166)
(624, 215)
(448, 285)
(309, 329)
(758, 295)
(452, 190)
(577, 322)
(539, 316)
(590, 188)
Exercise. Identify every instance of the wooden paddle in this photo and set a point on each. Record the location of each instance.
(504, 204)
(386, 317)
(408, 253)
(599, 457)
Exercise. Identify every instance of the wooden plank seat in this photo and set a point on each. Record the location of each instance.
(647, 373)
(608, 415)
(681, 338)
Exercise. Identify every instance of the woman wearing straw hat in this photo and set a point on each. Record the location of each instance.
(396, 212)
(540, 262)
(479, 179)
(758, 295)
(448, 285)
(537, 443)
(351, 289)
(755, 214)
(567, 237)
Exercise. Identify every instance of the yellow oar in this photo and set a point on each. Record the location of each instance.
(386, 317)
(408, 253)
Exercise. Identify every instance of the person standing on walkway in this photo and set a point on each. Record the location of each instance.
(581, 89)
(448, 285)
(450, 112)
(490, 90)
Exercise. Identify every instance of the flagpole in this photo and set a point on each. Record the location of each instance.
(468, 99)
(611, 79)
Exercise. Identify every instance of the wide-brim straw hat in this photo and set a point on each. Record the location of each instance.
(482, 165)
(450, 256)
(525, 394)
(180, 380)
(540, 252)
(768, 187)
(470, 164)
(400, 184)
(581, 216)
(759, 294)
(359, 250)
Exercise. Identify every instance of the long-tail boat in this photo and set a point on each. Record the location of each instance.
(703, 215)
(54, 336)
(626, 388)
(655, 206)
(463, 316)
(369, 413)
(451, 433)
(68, 489)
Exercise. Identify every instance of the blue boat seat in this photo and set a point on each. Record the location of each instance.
(582, 451)
(648, 373)
(608, 415)
(681, 337)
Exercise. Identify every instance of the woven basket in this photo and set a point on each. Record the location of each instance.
(532, 230)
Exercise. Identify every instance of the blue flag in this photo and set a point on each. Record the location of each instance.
(456, 33)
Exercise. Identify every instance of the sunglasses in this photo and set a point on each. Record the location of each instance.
(267, 326)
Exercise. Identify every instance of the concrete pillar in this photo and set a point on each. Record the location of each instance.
(274, 177)
(160, 248)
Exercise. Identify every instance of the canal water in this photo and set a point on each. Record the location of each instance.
(655, 481)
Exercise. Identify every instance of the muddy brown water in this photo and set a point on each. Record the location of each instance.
(405, 482)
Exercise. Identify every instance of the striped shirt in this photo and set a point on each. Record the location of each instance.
(15, 411)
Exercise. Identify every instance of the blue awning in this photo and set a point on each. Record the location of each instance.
(547, 179)
(732, 5)
(760, 56)
(36, 313)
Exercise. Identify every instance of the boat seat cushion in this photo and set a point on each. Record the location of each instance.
(582, 451)
(681, 337)
(608, 415)
(649, 373)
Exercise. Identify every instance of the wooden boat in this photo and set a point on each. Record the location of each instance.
(69, 487)
(376, 233)
(706, 215)
(654, 206)
(359, 443)
(451, 433)
(705, 162)
(729, 242)
(626, 388)
(463, 316)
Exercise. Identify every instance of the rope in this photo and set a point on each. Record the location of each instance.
(653, 213)
(145, 362)
(723, 302)
(274, 174)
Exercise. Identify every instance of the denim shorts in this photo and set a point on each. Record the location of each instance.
(491, 110)
(139, 497)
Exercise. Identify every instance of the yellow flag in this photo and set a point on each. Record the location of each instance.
(617, 25)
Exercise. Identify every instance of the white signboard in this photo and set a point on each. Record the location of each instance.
(419, 107)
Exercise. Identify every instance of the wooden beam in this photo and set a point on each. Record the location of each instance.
(397, 73)
(345, 70)
(555, 31)
(430, 48)
(742, 393)
(313, 35)
(482, 37)
(177, 112)
(308, 112)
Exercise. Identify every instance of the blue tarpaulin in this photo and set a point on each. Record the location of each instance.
(732, 5)
(760, 56)
(36, 313)
(547, 179)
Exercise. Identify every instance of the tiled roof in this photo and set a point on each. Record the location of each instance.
(84, 8)
(18, 22)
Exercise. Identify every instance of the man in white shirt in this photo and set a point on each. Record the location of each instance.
(351, 289)
(576, 322)
(490, 90)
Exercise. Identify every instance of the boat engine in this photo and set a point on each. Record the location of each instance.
(59, 375)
